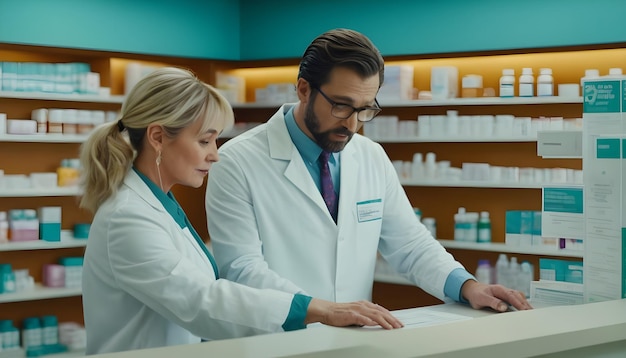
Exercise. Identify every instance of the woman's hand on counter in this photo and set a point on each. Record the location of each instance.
(361, 313)
(496, 297)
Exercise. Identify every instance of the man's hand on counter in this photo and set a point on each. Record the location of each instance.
(496, 297)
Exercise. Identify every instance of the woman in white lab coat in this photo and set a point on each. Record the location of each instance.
(148, 278)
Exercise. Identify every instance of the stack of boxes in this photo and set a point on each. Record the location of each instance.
(29, 224)
(523, 228)
(67, 273)
(398, 83)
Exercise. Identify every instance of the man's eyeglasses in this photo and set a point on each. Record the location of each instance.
(344, 111)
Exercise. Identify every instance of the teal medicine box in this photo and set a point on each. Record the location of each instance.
(49, 223)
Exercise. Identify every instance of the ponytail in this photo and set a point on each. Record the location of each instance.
(105, 158)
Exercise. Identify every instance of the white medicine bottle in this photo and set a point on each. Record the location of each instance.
(430, 166)
(507, 83)
(459, 225)
(502, 270)
(527, 83)
(590, 74)
(526, 277)
(484, 227)
(32, 336)
(49, 330)
(417, 167)
(484, 271)
(471, 227)
(545, 83)
(514, 274)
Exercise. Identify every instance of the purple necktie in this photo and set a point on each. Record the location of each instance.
(328, 191)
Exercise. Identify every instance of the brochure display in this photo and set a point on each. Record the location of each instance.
(604, 175)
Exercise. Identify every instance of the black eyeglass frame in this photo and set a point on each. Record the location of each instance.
(358, 111)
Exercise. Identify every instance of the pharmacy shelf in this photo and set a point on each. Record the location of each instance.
(562, 156)
(504, 248)
(40, 293)
(43, 138)
(472, 184)
(482, 101)
(454, 140)
(36, 192)
(62, 97)
(67, 241)
(386, 274)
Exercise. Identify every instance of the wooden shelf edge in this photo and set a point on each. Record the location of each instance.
(67, 241)
(36, 192)
(40, 293)
(504, 248)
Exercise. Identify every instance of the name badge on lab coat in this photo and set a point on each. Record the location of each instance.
(369, 210)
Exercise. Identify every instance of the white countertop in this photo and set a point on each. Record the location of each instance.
(559, 331)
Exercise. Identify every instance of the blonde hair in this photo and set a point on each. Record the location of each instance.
(171, 97)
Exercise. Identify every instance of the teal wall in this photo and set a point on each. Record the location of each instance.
(283, 29)
(185, 28)
(271, 29)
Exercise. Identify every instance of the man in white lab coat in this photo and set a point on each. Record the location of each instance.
(273, 221)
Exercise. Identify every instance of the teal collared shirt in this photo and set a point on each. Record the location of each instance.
(176, 212)
(310, 151)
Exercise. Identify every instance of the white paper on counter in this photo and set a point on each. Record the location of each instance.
(423, 317)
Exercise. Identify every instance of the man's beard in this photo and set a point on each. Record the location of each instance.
(323, 138)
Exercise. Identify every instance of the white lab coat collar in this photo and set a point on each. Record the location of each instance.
(281, 147)
(136, 184)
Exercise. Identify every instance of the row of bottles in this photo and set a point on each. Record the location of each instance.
(545, 83)
(509, 273)
(472, 226)
(39, 336)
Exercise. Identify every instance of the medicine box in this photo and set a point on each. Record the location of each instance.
(73, 271)
(536, 229)
(444, 82)
(398, 84)
(21, 126)
(49, 223)
(560, 144)
(561, 270)
(519, 227)
(23, 225)
(53, 275)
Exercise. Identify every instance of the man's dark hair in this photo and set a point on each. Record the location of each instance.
(340, 48)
